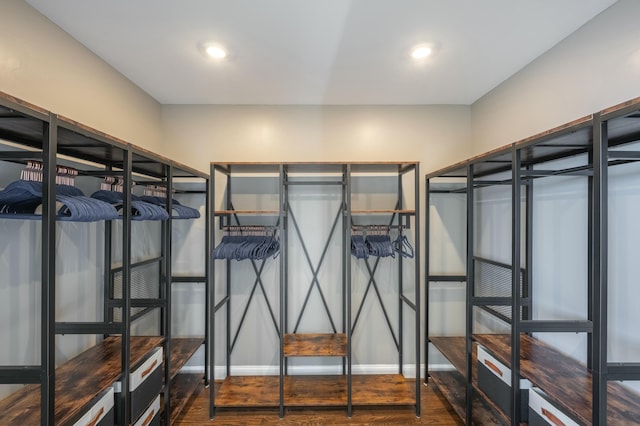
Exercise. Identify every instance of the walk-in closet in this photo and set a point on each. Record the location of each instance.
(289, 212)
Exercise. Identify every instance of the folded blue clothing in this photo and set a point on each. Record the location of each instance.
(24, 198)
(140, 210)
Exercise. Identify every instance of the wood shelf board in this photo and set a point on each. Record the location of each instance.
(310, 167)
(183, 386)
(566, 381)
(383, 211)
(182, 349)
(77, 382)
(454, 349)
(246, 212)
(387, 389)
(315, 344)
(315, 391)
(248, 391)
(453, 386)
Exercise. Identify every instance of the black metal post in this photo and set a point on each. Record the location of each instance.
(165, 291)
(516, 229)
(126, 291)
(590, 256)
(400, 285)
(48, 288)
(211, 317)
(416, 282)
(427, 271)
(348, 296)
(470, 295)
(346, 256)
(600, 271)
(228, 206)
(207, 288)
(283, 203)
(528, 277)
(108, 272)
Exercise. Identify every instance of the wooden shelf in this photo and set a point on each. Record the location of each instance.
(77, 382)
(383, 211)
(453, 386)
(182, 349)
(319, 344)
(453, 383)
(314, 391)
(246, 212)
(567, 382)
(183, 386)
(454, 349)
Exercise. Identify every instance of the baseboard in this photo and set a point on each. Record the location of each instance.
(273, 370)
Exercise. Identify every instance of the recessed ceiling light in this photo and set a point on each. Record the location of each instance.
(213, 50)
(421, 52)
(216, 52)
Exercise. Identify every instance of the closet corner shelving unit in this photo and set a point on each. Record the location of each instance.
(588, 394)
(287, 390)
(60, 394)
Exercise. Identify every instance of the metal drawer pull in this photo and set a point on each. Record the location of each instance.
(149, 418)
(494, 367)
(94, 421)
(150, 369)
(552, 417)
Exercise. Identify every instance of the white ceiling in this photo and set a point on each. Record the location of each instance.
(343, 52)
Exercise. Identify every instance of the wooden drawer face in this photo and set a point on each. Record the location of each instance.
(151, 416)
(494, 378)
(101, 413)
(543, 413)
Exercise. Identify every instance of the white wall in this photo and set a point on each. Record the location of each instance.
(43, 65)
(596, 67)
(433, 135)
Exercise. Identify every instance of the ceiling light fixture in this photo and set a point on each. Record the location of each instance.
(421, 52)
(214, 51)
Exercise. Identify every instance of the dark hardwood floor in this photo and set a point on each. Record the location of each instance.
(435, 411)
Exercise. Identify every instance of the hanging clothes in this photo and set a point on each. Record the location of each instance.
(249, 242)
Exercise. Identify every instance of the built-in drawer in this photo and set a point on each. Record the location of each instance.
(494, 378)
(101, 412)
(151, 416)
(145, 383)
(542, 412)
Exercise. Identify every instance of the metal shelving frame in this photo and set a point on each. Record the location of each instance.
(590, 137)
(286, 220)
(45, 136)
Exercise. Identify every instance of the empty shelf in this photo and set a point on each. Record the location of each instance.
(300, 344)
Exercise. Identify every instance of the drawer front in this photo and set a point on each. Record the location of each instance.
(494, 378)
(140, 374)
(498, 369)
(543, 413)
(145, 383)
(145, 393)
(151, 416)
(101, 413)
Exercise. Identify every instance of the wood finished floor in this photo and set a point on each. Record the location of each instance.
(435, 411)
